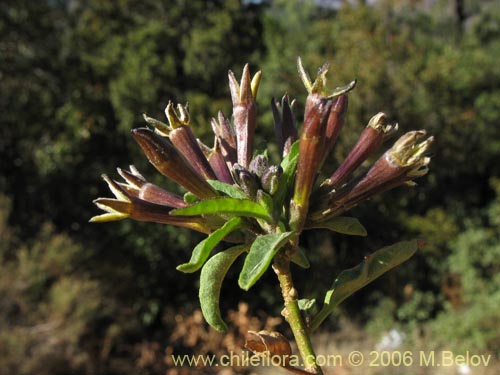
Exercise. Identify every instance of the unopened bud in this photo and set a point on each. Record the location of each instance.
(270, 179)
(170, 162)
(244, 112)
(368, 143)
(258, 165)
(245, 179)
(285, 127)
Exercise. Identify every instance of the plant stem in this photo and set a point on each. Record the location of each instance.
(292, 314)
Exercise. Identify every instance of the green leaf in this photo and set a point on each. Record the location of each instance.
(211, 277)
(230, 190)
(260, 256)
(351, 280)
(300, 258)
(241, 207)
(202, 251)
(288, 164)
(341, 224)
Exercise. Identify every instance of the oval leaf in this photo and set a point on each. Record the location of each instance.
(211, 277)
(351, 280)
(202, 251)
(341, 224)
(260, 256)
(230, 190)
(241, 207)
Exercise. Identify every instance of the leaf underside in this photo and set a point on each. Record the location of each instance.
(351, 280)
(341, 224)
(211, 278)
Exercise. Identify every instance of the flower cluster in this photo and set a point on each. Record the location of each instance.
(175, 152)
(236, 195)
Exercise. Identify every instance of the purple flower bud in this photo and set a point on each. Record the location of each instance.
(245, 179)
(127, 205)
(244, 112)
(335, 123)
(368, 143)
(218, 164)
(311, 148)
(405, 161)
(138, 187)
(183, 138)
(226, 137)
(171, 163)
(285, 127)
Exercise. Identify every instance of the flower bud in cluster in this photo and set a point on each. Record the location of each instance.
(137, 186)
(368, 143)
(246, 180)
(183, 138)
(244, 112)
(226, 138)
(313, 140)
(258, 165)
(285, 127)
(171, 163)
(218, 163)
(260, 175)
(335, 123)
(270, 179)
(399, 165)
(154, 205)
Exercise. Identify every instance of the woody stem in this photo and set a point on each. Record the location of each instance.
(292, 314)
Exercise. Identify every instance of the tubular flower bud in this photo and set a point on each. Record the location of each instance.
(317, 89)
(171, 163)
(183, 138)
(218, 164)
(138, 187)
(399, 165)
(335, 123)
(311, 147)
(244, 112)
(368, 143)
(224, 133)
(127, 205)
(285, 127)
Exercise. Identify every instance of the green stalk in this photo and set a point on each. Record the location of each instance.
(293, 316)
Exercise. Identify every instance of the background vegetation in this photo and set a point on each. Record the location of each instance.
(75, 77)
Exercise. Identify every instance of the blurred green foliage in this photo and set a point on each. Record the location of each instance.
(75, 76)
